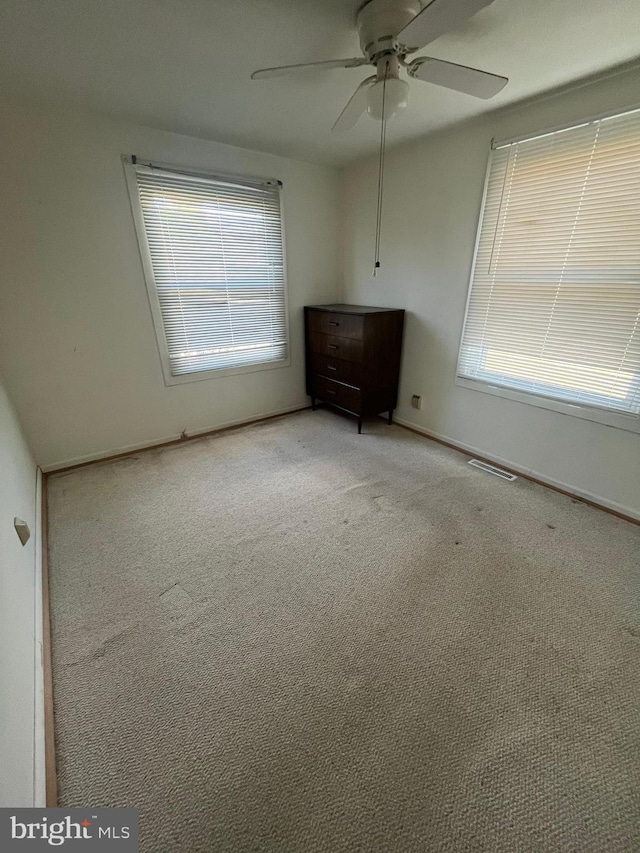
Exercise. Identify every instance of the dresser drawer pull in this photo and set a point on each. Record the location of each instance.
(329, 367)
(333, 324)
(329, 391)
(332, 346)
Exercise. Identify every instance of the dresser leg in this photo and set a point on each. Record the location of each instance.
(313, 404)
(390, 418)
(359, 426)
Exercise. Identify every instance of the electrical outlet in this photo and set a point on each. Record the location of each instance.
(416, 401)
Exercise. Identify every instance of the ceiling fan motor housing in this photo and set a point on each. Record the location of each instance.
(379, 23)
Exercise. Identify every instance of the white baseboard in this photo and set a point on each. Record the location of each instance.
(39, 773)
(520, 469)
(145, 445)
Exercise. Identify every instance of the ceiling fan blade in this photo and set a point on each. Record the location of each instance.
(356, 105)
(480, 84)
(437, 18)
(281, 70)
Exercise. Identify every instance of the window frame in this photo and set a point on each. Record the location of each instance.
(129, 164)
(620, 420)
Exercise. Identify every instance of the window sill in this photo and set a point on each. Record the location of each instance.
(218, 373)
(630, 423)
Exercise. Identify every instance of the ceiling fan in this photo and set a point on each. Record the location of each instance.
(391, 30)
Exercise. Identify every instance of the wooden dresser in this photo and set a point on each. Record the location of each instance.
(353, 357)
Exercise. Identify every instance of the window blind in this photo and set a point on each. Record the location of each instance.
(218, 268)
(554, 302)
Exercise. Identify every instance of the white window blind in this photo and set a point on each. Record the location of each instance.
(554, 303)
(216, 256)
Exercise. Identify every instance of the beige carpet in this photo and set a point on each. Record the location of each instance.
(293, 638)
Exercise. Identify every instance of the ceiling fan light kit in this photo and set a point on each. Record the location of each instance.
(396, 98)
(389, 31)
(388, 95)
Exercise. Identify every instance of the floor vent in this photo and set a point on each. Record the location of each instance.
(492, 469)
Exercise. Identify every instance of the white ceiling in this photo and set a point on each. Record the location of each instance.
(184, 65)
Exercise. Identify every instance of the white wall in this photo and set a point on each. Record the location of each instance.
(77, 345)
(433, 191)
(21, 780)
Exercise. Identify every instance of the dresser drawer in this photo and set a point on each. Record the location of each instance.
(350, 372)
(346, 348)
(336, 393)
(341, 325)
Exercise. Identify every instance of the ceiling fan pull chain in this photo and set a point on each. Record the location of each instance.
(383, 136)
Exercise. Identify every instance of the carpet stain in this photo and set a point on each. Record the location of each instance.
(176, 599)
(112, 643)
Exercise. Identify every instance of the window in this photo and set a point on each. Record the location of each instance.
(212, 249)
(553, 316)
